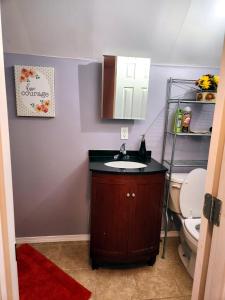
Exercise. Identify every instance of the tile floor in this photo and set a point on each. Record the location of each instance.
(167, 279)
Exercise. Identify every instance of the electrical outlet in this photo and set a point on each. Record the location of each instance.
(124, 133)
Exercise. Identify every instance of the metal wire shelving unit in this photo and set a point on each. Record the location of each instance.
(172, 163)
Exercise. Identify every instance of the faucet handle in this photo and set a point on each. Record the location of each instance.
(115, 157)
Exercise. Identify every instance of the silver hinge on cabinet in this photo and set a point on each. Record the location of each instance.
(212, 209)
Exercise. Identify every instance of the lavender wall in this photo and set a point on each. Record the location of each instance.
(49, 156)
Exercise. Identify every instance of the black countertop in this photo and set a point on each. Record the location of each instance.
(97, 158)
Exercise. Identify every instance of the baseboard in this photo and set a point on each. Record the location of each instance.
(172, 233)
(68, 238)
(53, 238)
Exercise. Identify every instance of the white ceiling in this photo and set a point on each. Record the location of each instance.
(186, 32)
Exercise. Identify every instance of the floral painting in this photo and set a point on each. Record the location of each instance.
(35, 91)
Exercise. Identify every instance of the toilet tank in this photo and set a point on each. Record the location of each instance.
(177, 180)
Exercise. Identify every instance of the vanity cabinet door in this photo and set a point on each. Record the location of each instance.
(126, 215)
(109, 218)
(145, 215)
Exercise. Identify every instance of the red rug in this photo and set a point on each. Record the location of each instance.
(40, 279)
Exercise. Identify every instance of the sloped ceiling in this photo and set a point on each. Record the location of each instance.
(186, 32)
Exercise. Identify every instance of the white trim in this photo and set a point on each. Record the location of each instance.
(86, 59)
(100, 60)
(68, 238)
(172, 233)
(184, 66)
(53, 238)
(8, 269)
(3, 283)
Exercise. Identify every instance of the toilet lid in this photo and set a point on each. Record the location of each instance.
(193, 227)
(192, 194)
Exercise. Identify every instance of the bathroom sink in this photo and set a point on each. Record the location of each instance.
(125, 164)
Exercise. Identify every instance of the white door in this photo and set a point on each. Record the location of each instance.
(132, 80)
(209, 278)
(215, 281)
(8, 266)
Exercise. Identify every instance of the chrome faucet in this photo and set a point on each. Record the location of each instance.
(122, 154)
(123, 149)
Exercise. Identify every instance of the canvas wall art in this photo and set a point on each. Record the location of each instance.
(35, 91)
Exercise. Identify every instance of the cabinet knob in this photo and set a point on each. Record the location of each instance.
(133, 195)
(128, 195)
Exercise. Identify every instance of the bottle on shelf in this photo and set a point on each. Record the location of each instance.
(186, 119)
(177, 128)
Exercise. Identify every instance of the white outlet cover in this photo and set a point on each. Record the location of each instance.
(124, 133)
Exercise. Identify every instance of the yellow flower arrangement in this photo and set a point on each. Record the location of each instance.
(216, 79)
(208, 82)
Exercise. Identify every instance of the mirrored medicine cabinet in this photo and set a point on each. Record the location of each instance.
(125, 85)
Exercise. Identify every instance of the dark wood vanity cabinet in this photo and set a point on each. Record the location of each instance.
(126, 213)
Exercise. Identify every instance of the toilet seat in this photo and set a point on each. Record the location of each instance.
(190, 226)
(191, 202)
(192, 194)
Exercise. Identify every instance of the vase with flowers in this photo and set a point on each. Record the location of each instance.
(207, 87)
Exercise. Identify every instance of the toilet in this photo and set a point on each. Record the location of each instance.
(186, 200)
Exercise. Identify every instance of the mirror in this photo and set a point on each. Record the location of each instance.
(125, 82)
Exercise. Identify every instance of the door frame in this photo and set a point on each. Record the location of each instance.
(212, 185)
(215, 285)
(8, 265)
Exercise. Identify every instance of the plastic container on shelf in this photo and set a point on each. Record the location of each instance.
(186, 119)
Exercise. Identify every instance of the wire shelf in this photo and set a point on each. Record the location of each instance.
(190, 133)
(190, 101)
(187, 163)
(188, 89)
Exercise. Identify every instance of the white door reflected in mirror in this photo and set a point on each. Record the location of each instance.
(125, 87)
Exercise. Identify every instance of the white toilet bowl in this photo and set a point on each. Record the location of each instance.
(192, 233)
(186, 200)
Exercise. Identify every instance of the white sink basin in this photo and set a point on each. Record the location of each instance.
(125, 164)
